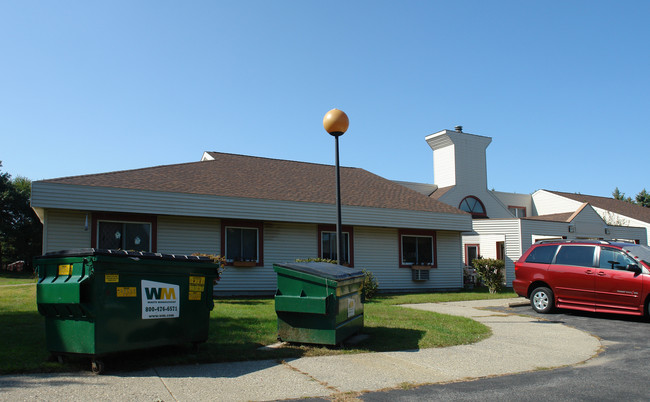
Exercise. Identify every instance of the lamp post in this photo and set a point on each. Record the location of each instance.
(336, 123)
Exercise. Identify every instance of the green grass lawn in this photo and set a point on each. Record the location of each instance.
(238, 328)
(16, 278)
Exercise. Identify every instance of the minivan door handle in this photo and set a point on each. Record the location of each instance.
(589, 271)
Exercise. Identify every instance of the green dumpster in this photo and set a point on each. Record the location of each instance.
(97, 302)
(318, 302)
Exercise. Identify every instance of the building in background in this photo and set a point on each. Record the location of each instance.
(504, 224)
(257, 212)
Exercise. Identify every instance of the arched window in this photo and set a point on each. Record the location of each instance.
(474, 206)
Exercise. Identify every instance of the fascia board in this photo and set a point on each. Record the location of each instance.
(86, 198)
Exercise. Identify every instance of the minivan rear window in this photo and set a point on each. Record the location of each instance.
(576, 255)
(542, 254)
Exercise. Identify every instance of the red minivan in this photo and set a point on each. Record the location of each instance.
(599, 276)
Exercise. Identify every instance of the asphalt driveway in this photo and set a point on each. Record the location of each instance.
(620, 372)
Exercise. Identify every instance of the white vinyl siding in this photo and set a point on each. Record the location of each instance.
(442, 159)
(282, 242)
(65, 230)
(516, 200)
(449, 274)
(495, 230)
(377, 250)
(183, 235)
(546, 203)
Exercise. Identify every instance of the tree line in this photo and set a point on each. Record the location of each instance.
(21, 232)
(642, 199)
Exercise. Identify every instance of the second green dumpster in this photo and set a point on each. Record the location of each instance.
(318, 302)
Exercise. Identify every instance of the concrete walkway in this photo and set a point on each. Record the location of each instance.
(518, 344)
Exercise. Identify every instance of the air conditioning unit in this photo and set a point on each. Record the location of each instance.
(420, 274)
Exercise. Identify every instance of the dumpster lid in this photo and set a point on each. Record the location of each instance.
(324, 269)
(89, 252)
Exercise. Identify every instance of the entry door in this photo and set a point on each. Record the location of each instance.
(574, 276)
(617, 289)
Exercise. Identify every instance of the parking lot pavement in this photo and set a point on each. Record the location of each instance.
(518, 344)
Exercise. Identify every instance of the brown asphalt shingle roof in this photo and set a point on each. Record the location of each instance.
(610, 204)
(440, 192)
(243, 176)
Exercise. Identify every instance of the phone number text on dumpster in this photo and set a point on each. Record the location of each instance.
(160, 309)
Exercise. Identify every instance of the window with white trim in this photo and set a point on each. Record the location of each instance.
(518, 212)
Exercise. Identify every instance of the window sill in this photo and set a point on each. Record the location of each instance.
(244, 263)
(419, 267)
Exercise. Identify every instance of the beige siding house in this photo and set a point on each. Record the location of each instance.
(257, 212)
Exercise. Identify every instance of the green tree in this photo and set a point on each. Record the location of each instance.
(621, 196)
(21, 231)
(643, 199)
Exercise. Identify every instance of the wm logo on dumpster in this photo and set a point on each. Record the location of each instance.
(159, 300)
(160, 293)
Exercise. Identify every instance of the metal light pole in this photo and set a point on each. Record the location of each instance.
(336, 123)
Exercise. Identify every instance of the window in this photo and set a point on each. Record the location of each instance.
(474, 206)
(124, 232)
(501, 250)
(614, 259)
(327, 243)
(471, 253)
(241, 242)
(124, 236)
(417, 247)
(576, 255)
(542, 254)
(518, 212)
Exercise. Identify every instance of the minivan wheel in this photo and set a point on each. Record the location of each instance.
(541, 299)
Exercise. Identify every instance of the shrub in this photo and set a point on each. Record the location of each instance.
(219, 260)
(370, 285)
(490, 271)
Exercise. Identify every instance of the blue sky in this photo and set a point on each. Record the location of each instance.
(562, 87)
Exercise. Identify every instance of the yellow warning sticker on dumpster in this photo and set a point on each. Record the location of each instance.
(112, 278)
(195, 295)
(196, 288)
(197, 280)
(65, 269)
(127, 292)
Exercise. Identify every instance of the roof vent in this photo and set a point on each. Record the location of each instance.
(459, 129)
